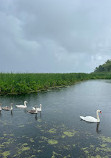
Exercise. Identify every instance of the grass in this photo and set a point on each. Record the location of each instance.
(23, 83)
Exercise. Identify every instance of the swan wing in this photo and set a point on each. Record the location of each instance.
(32, 111)
(6, 108)
(82, 117)
(18, 106)
(39, 109)
(21, 106)
(88, 118)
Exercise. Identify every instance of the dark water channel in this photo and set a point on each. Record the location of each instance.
(58, 132)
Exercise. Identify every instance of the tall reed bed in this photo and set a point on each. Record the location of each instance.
(19, 83)
(16, 83)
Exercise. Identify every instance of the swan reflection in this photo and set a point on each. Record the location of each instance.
(36, 117)
(11, 113)
(40, 114)
(25, 111)
(97, 128)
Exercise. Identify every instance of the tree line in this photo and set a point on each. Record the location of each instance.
(106, 67)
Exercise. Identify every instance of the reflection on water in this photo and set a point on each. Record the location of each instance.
(57, 131)
(11, 113)
(40, 114)
(97, 128)
(35, 116)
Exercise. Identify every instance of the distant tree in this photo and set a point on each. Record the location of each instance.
(101, 68)
(108, 62)
(106, 67)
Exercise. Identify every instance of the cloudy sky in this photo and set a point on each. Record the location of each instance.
(54, 35)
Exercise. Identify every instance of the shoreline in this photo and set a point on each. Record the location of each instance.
(27, 83)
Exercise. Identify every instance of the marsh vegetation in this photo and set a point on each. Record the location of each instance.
(23, 83)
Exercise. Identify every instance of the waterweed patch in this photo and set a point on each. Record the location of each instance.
(39, 151)
(44, 138)
(86, 150)
(68, 156)
(103, 145)
(67, 147)
(24, 147)
(54, 155)
(31, 140)
(69, 134)
(105, 149)
(1, 138)
(105, 139)
(7, 142)
(39, 120)
(97, 156)
(5, 154)
(33, 156)
(53, 130)
(102, 150)
(25, 144)
(63, 136)
(52, 142)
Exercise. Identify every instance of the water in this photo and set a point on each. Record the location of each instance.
(58, 131)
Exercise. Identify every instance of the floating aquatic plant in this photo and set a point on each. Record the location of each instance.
(22, 148)
(106, 139)
(55, 155)
(31, 140)
(44, 138)
(69, 134)
(39, 151)
(25, 148)
(52, 142)
(53, 130)
(5, 154)
(67, 147)
(33, 156)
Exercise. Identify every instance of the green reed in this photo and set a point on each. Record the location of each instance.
(22, 83)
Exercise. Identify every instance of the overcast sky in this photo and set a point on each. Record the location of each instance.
(54, 35)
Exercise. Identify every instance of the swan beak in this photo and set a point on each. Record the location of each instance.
(100, 112)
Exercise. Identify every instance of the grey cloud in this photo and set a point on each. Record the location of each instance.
(54, 36)
(75, 25)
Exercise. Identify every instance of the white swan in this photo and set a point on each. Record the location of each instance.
(7, 108)
(33, 111)
(38, 109)
(22, 106)
(90, 118)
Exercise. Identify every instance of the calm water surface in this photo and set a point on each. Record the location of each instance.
(58, 131)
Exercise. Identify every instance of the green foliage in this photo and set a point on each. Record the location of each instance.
(18, 83)
(106, 67)
(22, 83)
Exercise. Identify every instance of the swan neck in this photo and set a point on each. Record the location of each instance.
(98, 119)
